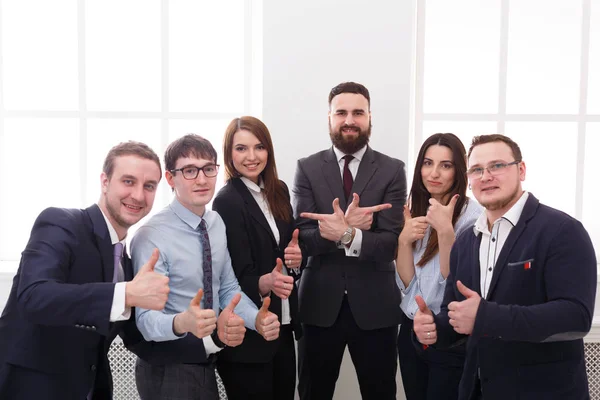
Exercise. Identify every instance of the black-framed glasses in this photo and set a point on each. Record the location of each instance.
(191, 172)
(494, 169)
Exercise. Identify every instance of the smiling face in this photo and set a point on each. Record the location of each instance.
(128, 194)
(500, 192)
(437, 171)
(349, 122)
(249, 155)
(193, 194)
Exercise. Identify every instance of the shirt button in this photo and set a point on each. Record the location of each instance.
(489, 269)
(493, 239)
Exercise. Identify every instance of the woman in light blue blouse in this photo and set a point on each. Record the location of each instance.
(439, 211)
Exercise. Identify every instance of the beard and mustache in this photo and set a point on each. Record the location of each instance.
(350, 144)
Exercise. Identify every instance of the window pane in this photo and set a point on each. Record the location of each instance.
(544, 56)
(594, 64)
(206, 50)
(591, 189)
(39, 42)
(123, 55)
(39, 168)
(461, 66)
(549, 150)
(465, 130)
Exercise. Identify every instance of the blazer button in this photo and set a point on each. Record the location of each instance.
(93, 368)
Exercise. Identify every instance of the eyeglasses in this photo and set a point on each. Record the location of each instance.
(209, 170)
(494, 169)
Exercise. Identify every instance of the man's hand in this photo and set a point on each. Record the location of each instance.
(331, 226)
(362, 217)
(267, 323)
(281, 284)
(462, 313)
(148, 289)
(440, 216)
(292, 253)
(195, 320)
(424, 324)
(414, 228)
(230, 326)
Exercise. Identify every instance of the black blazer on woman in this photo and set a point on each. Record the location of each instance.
(254, 252)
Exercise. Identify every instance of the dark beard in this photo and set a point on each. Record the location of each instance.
(497, 205)
(349, 144)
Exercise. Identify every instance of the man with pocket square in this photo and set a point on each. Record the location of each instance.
(521, 288)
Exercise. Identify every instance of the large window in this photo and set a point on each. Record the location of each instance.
(527, 68)
(79, 76)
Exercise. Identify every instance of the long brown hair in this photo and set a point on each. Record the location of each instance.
(275, 190)
(419, 196)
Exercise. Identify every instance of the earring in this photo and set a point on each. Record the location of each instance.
(470, 186)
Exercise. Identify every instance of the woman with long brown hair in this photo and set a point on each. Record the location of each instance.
(255, 206)
(439, 211)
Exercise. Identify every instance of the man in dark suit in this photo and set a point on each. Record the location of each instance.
(521, 289)
(348, 295)
(73, 285)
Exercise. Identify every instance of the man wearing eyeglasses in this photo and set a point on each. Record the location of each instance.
(206, 309)
(521, 288)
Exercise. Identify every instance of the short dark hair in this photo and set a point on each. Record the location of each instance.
(350, 87)
(190, 145)
(130, 148)
(496, 137)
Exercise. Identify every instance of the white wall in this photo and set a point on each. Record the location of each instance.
(311, 47)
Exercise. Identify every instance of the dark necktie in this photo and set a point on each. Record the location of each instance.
(118, 254)
(206, 265)
(348, 181)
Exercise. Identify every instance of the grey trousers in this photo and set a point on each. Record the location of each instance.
(176, 381)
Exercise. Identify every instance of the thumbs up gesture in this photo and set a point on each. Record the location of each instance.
(149, 289)
(267, 323)
(281, 284)
(414, 228)
(439, 216)
(230, 326)
(195, 320)
(362, 217)
(292, 253)
(462, 313)
(424, 324)
(331, 226)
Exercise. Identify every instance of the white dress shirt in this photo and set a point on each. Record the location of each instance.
(259, 196)
(492, 242)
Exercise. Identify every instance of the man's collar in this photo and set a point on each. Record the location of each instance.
(190, 218)
(513, 215)
(358, 155)
(114, 238)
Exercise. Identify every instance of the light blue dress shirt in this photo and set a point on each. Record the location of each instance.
(173, 231)
(428, 281)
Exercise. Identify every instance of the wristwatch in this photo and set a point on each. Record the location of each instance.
(215, 338)
(346, 238)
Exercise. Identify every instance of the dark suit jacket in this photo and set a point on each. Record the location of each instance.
(55, 330)
(527, 339)
(254, 252)
(373, 295)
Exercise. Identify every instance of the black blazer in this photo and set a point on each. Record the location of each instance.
(253, 253)
(55, 327)
(373, 296)
(527, 338)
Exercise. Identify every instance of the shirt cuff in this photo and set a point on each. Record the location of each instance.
(354, 249)
(209, 346)
(118, 311)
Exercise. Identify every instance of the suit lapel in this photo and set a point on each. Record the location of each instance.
(367, 168)
(103, 242)
(251, 205)
(331, 171)
(476, 272)
(516, 232)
